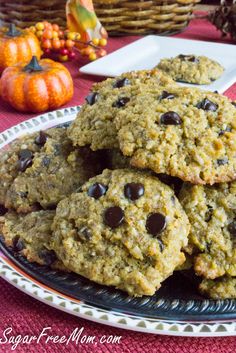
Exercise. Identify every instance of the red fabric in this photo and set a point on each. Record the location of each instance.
(28, 316)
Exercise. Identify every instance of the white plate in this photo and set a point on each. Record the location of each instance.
(18, 278)
(145, 53)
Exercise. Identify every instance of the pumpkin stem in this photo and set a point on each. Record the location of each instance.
(33, 66)
(12, 31)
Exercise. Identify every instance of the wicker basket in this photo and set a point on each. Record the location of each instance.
(24, 13)
(144, 16)
(118, 16)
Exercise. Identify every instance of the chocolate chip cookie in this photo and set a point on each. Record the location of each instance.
(221, 288)
(94, 124)
(212, 239)
(38, 170)
(192, 69)
(124, 229)
(31, 235)
(182, 132)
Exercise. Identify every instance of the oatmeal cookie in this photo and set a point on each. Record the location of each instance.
(40, 169)
(31, 236)
(124, 229)
(185, 132)
(212, 239)
(220, 288)
(94, 124)
(192, 69)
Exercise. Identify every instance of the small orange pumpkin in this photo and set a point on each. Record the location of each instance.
(37, 87)
(17, 46)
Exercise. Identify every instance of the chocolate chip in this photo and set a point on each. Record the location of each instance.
(207, 105)
(121, 83)
(24, 164)
(97, 190)
(227, 129)
(25, 154)
(46, 161)
(156, 223)
(41, 139)
(3, 210)
(133, 191)
(222, 161)
(84, 233)
(182, 57)
(48, 256)
(121, 102)
(170, 118)
(92, 98)
(190, 58)
(17, 244)
(25, 160)
(232, 228)
(167, 95)
(114, 216)
(234, 104)
(216, 92)
(193, 59)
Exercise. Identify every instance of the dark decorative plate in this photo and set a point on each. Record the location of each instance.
(177, 298)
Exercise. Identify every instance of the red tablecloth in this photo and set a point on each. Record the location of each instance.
(27, 316)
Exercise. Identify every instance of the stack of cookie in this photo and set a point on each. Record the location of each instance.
(129, 226)
(36, 172)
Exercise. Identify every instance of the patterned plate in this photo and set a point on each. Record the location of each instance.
(176, 309)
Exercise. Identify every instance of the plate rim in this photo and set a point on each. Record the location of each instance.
(11, 273)
(186, 308)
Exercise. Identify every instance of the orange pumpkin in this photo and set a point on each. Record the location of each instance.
(37, 87)
(17, 46)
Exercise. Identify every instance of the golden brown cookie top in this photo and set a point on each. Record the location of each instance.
(94, 125)
(183, 132)
(192, 69)
(125, 228)
(40, 169)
